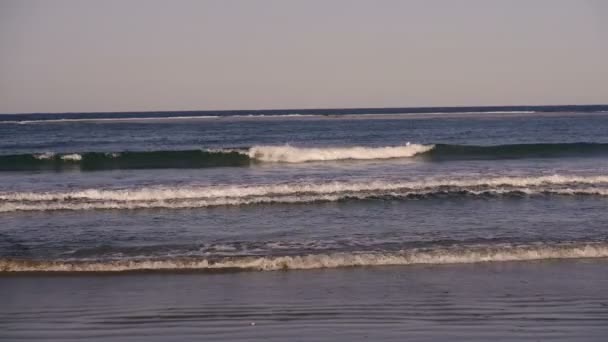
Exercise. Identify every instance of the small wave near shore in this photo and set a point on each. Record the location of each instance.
(433, 256)
(191, 196)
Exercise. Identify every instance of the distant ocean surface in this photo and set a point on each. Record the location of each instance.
(344, 224)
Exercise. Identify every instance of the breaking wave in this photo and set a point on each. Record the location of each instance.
(91, 161)
(451, 255)
(230, 195)
(290, 154)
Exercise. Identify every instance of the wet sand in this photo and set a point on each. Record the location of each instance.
(536, 300)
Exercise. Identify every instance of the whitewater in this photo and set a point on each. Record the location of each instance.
(316, 261)
(231, 195)
(290, 154)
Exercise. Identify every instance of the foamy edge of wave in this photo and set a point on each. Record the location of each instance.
(229, 195)
(44, 156)
(291, 154)
(321, 261)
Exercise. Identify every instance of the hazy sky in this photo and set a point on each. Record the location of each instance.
(122, 55)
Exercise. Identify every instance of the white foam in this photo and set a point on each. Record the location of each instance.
(208, 196)
(290, 154)
(72, 157)
(44, 156)
(316, 261)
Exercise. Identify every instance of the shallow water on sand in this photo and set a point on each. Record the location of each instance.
(531, 301)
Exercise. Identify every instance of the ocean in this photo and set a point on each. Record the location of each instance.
(455, 224)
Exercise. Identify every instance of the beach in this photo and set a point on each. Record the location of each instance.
(524, 301)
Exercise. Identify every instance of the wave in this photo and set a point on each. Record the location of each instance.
(451, 255)
(91, 161)
(516, 151)
(291, 193)
(290, 154)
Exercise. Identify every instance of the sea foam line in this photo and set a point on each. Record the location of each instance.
(228, 195)
(317, 261)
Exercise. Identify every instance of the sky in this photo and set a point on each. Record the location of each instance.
(149, 55)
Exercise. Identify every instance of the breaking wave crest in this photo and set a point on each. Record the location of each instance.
(290, 154)
(91, 161)
(229, 195)
(455, 255)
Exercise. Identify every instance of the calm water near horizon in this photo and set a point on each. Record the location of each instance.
(343, 227)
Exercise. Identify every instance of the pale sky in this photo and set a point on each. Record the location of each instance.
(139, 55)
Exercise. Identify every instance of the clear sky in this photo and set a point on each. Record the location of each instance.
(137, 55)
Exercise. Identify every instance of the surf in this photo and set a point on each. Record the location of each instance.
(290, 154)
(429, 256)
(192, 196)
(286, 154)
(202, 158)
